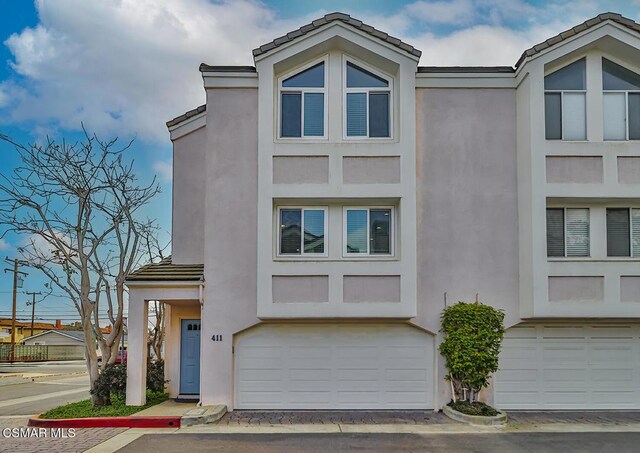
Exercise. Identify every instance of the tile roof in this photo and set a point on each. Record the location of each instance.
(165, 271)
(187, 115)
(600, 18)
(334, 17)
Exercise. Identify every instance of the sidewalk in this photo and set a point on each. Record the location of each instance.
(387, 422)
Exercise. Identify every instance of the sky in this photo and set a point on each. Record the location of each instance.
(124, 67)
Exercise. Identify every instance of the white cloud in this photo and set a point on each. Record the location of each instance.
(125, 67)
(164, 170)
(4, 245)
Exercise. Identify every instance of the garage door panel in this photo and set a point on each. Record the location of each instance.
(574, 367)
(339, 366)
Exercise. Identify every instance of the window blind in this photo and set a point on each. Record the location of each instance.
(555, 232)
(577, 228)
(356, 114)
(618, 232)
(314, 114)
(635, 232)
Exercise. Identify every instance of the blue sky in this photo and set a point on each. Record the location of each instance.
(124, 68)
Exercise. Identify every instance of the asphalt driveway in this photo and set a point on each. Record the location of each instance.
(391, 443)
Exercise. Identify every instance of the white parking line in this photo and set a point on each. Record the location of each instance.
(28, 399)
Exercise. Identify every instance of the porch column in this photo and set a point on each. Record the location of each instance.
(138, 325)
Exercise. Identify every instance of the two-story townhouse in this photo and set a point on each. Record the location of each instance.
(330, 201)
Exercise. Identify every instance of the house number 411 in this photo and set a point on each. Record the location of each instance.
(216, 337)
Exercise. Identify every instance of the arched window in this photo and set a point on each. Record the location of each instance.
(367, 102)
(565, 103)
(302, 103)
(621, 95)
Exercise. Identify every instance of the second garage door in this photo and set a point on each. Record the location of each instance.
(569, 367)
(334, 366)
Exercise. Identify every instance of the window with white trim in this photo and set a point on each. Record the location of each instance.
(623, 232)
(568, 232)
(367, 102)
(621, 97)
(303, 103)
(368, 231)
(565, 102)
(302, 231)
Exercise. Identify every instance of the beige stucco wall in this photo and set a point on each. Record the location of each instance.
(571, 169)
(300, 169)
(300, 289)
(174, 314)
(230, 237)
(371, 288)
(467, 204)
(371, 170)
(576, 289)
(629, 170)
(189, 175)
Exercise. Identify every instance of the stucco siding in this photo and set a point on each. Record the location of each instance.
(230, 236)
(467, 200)
(189, 181)
(630, 289)
(371, 288)
(300, 169)
(371, 170)
(629, 170)
(300, 288)
(568, 170)
(576, 289)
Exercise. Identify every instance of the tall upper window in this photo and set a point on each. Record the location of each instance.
(621, 92)
(302, 103)
(623, 232)
(367, 103)
(565, 104)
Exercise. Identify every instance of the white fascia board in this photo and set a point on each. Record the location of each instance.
(162, 284)
(230, 79)
(187, 126)
(575, 42)
(465, 80)
(297, 41)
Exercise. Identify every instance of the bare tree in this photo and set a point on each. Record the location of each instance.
(156, 333)
(78, 206)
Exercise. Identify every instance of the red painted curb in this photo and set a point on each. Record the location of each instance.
(107, 422)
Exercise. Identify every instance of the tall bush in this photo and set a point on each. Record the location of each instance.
(473, 335)
(112, 381)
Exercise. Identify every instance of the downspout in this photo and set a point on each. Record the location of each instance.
(201, 300)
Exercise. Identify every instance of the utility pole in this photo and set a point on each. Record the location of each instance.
(16, 281)
(33, 307)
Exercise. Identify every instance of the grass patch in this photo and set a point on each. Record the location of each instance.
(475, 408)
(84, 409)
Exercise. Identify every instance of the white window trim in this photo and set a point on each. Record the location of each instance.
(562, 113)
(368, 254)
(302, 254)
(626, 114)
(345, 90)
(302, 91)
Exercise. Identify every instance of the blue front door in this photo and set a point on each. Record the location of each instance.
(190, 357)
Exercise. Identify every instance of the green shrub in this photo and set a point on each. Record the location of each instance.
(473, 335)
(113, 380)
(155, 376)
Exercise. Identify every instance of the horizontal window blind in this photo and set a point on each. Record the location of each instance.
(635, 232)
(618, 232)
(290, 231)
(356, 114)
(555, 232)
(577, 232)
(313, 231)
(313, 114)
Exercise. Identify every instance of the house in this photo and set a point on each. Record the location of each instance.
(23, 329)
(56, 337)
(330, 201)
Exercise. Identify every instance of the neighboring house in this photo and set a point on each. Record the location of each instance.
(57, 338)
(23, 329)
(330, 201)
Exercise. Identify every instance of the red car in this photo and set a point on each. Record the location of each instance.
(119, 358)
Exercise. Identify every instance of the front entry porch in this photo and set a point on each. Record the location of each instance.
(180, 289)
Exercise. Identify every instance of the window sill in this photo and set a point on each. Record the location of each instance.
(594, 260)
(320, 259)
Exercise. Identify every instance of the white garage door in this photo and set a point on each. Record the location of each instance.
(334, 366)
(570, 367)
